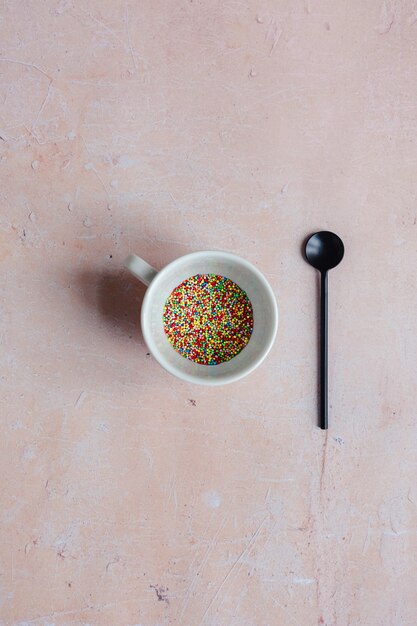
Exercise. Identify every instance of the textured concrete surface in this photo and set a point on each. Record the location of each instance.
(128, 497)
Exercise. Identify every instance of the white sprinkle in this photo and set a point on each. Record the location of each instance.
(71, 135)
(303, 581)
(263, 479)
(89, 166)
(212, 499)
(87, 222)
(32, 216)
(125, 161)
(35, 165)
(29, 453)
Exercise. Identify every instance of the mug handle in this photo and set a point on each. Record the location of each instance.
(140, 268)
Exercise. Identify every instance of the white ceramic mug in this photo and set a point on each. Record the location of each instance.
(161, 284)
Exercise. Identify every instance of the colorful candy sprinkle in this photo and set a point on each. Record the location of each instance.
(208, 319)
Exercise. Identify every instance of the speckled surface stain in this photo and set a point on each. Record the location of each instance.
(127, 496)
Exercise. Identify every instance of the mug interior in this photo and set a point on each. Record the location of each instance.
(265, 316)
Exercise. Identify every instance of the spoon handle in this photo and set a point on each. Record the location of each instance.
(323, 353)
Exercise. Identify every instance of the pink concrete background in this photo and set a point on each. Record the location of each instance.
(129, 498)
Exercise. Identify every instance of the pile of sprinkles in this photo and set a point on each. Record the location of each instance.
(208, 319)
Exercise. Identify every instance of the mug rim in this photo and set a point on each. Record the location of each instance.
(228, 378)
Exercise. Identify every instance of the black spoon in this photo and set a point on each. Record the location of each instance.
(324, 250)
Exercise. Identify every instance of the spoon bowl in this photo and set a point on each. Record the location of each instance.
(324, 250)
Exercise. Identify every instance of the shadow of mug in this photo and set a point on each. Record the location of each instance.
(117, 298)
